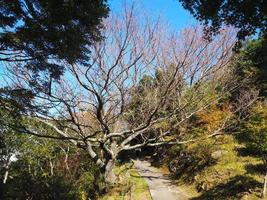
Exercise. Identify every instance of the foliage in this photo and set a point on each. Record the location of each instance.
(119, 68)
(214, 165)
(193, 158)
(253, 132)
(38, 31)
(147, 88)
(15, 101)
(237, 187)
(211, 119)
(229, 175)
(252, 63)
(23, 185)
(48, 169)
(88, 106)
(248, 16)
(140, 100)
(42, 36)
(8, 145)
(130, 186)
(191, 161)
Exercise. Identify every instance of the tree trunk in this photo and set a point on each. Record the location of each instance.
(51, 168)
(6, 176)
(264, 185)
(110, 176)
(6, 171)
(106, 167)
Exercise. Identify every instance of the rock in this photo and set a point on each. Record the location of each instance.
(245, 196)
(218, 154)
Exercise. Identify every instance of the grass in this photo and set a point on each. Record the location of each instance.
(130, 185)
(233, 176)
(186, 188)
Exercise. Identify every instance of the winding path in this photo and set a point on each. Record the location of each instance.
(160, 186)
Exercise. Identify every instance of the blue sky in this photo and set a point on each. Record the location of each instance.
(170, 10)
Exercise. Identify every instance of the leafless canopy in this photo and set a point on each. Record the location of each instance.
(89, 105)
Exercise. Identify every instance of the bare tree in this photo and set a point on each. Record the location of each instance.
(89, 106)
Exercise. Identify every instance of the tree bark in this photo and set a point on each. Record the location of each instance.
(51, 168)
(110, 176)
(264, 185)
(107, 167)
(6, 176)
(6, 170)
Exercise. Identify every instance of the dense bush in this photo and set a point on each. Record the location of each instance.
(190, 159)
(31, 176)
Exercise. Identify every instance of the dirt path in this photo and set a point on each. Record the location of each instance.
(160, 186)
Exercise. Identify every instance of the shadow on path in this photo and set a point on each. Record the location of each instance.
(160, 185)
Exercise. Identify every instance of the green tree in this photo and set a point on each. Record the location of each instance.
(41, 36)
(254, 134)
(249, 16)
(252, 63)
(48, 169)
(38, 32)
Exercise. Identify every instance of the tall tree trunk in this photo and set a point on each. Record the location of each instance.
(110, 176)
(66, 159)
(106, 167)
(5, 176)
(264, 185)
(51, 168)
(6, 170)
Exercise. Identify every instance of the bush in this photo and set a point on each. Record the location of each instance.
(190, 159)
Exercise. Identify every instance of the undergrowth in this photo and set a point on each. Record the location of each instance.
(218, 169)
(130, 185)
